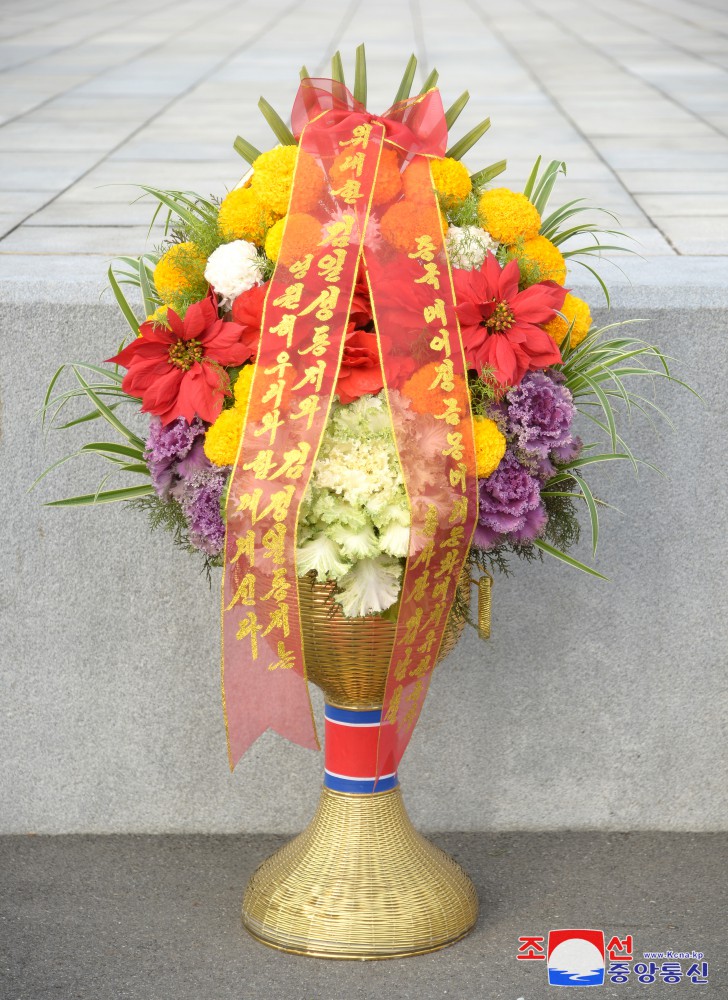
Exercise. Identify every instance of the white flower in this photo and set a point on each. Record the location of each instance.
(232, 269)
(322, 555)
(468, 245)
(370, 587)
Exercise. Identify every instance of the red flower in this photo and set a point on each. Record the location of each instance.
(178, 372)
(248, 312)
(360, 370)
(500, 325)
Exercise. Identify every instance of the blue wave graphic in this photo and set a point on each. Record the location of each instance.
(563, 977)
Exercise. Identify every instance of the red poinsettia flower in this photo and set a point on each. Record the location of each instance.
(500, 325)
(248, 312)
(179, 371)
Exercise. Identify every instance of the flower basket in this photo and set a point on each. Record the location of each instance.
(364, 372)
(359, 882)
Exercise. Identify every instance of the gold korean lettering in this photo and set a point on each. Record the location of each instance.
(294, 462)
(359, 136)
(249, 627)
(426, 250)
(301, 267)
(314, 375)
(245, 594)
(430, 277)
(245, 546)
(324, 304)
(290, 297)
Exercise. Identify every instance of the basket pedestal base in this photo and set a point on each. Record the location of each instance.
(359, 882)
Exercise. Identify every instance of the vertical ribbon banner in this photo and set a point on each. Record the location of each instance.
(362, 201)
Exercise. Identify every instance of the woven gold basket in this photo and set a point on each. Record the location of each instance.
(359, 882)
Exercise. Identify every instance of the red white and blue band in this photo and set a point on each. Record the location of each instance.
(351, 752)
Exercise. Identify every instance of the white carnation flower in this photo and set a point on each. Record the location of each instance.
(468, 245)
(232, 269)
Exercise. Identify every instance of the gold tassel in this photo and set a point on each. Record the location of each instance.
(485, 589)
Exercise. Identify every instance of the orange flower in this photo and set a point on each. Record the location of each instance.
(389, 181)
(402, 224)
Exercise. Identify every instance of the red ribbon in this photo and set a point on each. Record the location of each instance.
(305, 320)
(416, 125)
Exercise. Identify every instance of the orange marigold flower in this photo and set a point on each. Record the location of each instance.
(418, 387)
(389, 181)
(302, 236)
(402, 224)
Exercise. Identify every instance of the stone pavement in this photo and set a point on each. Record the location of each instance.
(99, 96)
(158, 918)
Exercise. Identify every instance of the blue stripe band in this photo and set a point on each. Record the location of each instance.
(353, 718)
(359, 786)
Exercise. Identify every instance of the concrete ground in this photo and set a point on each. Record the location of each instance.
(157, 918)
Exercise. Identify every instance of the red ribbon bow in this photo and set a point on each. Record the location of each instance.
(416, 125)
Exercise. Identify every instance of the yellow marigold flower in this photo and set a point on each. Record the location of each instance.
(223, 437)
(180, 274)
(274, 239)
(542, 254)
(243, 384)
(273, 179)
(243, 216)
(451, 179)
(303, 233)
(508, 216)
(577, 312)
(159, 316)
(490, 446)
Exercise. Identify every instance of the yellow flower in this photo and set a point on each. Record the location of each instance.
(159, 316)
(243, 216)
(273, 178)
(274, 239)
(541, 253)
(180, 275)
(303, 233)
(490, 446)
(243, 384)
(508, 216)
(451, 179)
(577, 312)
(222, 439)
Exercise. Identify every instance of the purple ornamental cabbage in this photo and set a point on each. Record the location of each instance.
(540, 414)
(180, 470)
(168, 446)
(509, 504)
(200, 498)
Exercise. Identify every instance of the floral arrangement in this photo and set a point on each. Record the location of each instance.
(537, 367)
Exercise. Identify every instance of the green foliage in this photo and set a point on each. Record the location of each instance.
(168, 515)
(465, 212)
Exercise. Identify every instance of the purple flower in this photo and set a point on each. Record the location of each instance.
(510, 505)
(168, 447)
(540, 412)
(200, 498)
